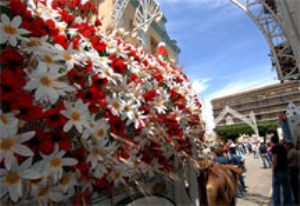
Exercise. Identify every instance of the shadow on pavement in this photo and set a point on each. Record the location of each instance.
(256, 198)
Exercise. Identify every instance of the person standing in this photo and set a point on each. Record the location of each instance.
(255, 150)
(280, 173)
(263, 152)
(293, 165)
(220, 158)
(239, 162)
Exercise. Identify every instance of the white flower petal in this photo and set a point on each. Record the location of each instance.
(69, 161)
(68, 126)
(26, 136)
(3, 188)
(30, 174)
(23, 150)
(23, 31)
(5, 19)
(31, 85)
(3, 38)
(13, 193)
(16, 21)
(12, 40)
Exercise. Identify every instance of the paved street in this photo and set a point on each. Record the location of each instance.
(259, 182)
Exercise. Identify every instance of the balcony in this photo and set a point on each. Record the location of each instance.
(262, 99)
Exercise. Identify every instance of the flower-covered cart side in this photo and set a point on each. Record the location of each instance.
(83, 112)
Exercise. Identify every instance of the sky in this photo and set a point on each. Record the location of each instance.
(222, 50)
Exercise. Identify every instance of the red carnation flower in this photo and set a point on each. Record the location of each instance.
(117, 125)
(24, 103)
(54, 117)
(62, 40)
(93, 96)
(98, 82)
(119, 66)
(10, 82)
(12, 59)
(97, 44)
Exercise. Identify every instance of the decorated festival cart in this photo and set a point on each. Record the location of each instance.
(87, 118)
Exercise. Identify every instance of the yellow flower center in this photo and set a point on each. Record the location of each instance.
(45, 81)
(34, 42)
(37, 181)
(7, 144)
(137, 116)
(136, 94)
(12, 178)
(56, 162)
(9, 29)
(61, 28)
(127, 108)
(117, 175)
(89, 58)
(160, 105)
(100, 132)
(65, 180)
(48, 59)
(75, 116)
(67, 56)
(102, 59)
(107, 73)
(4, 119)
(116, 105)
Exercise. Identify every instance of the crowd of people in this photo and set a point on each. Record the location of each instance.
(282, 157)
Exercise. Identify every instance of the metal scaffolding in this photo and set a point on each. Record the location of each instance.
(285, 54)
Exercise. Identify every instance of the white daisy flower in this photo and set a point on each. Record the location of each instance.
(9, 30)
(148, 127)
(11, 181)
(160, 107)
(115, 104)
(55, 162)
(137, 119)
(109, 74)
(128, 108)
(36, 45)
(99, 131)
(178, 114)
(78, 115)
(136, 93)
(118, 174)
(68, 182)
(120, 50)
(70, 56)
(11, 143)
(47, 84)
(105, 61)
(100, 170)
(7, 119)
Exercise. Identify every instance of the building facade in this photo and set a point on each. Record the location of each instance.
(155, 34)
(267, 103)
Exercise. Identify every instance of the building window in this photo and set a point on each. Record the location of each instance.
(153, 44)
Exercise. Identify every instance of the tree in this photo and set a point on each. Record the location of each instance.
(234, 131)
